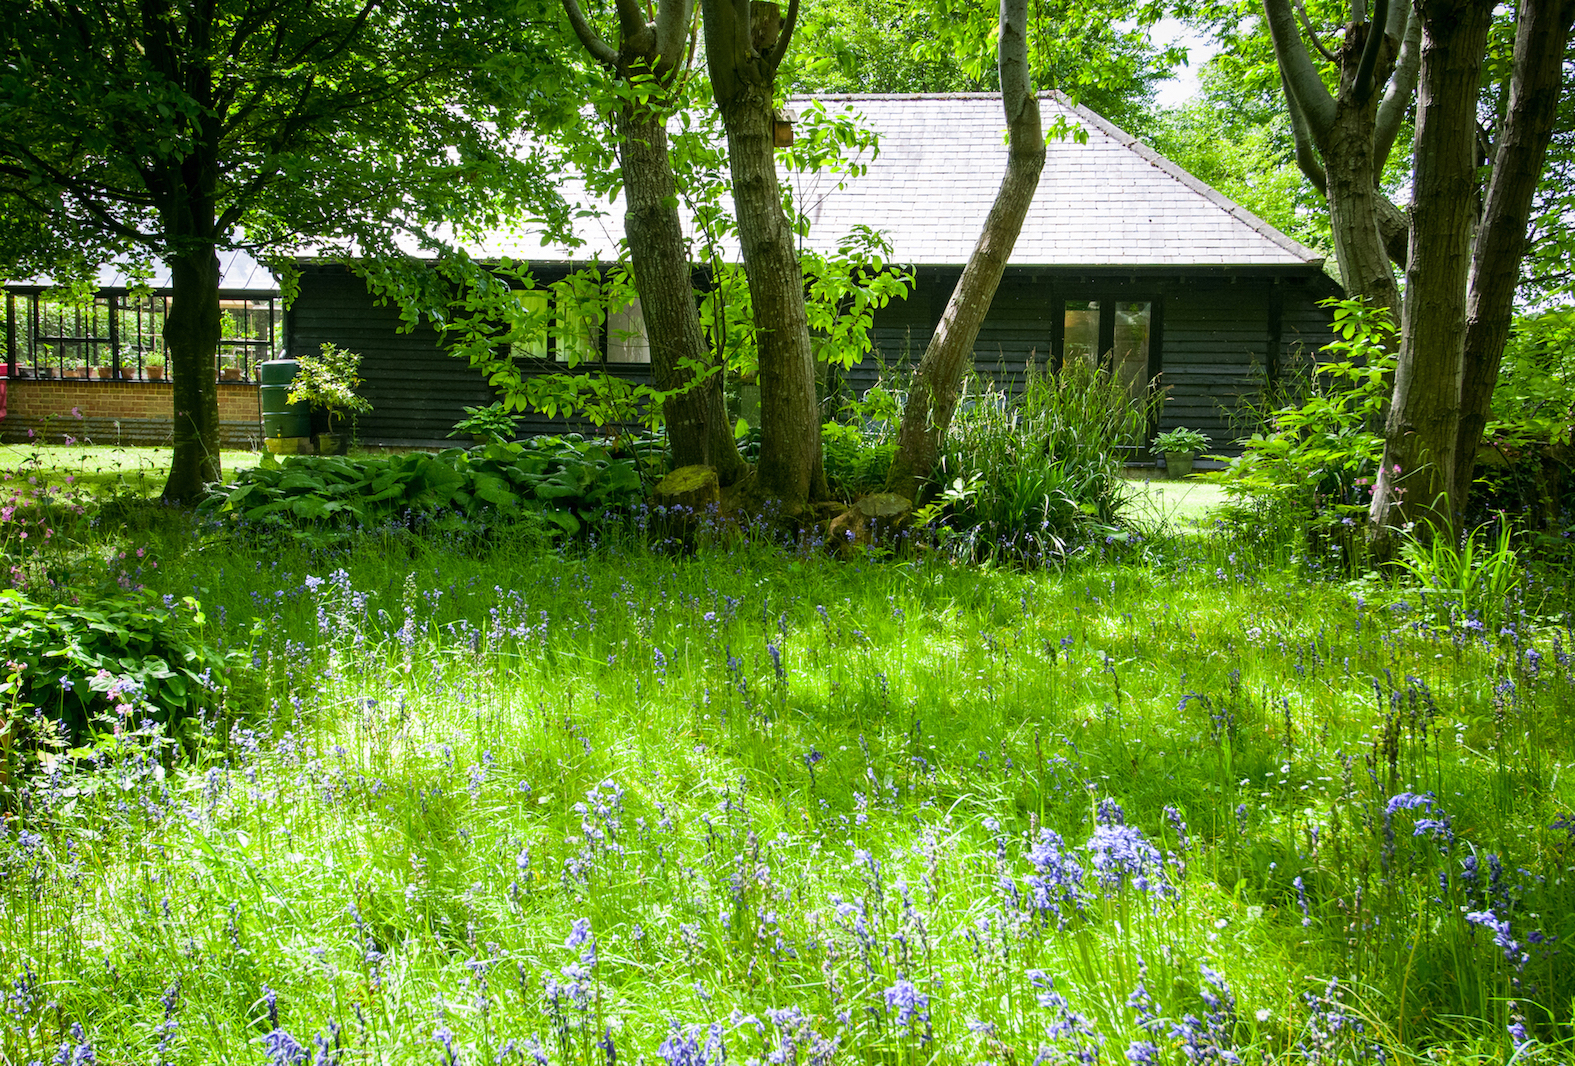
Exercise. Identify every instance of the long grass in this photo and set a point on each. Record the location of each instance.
(565, 806)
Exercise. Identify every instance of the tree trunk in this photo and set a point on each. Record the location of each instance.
(1353, 193)
(191, 335)
(697, 424)
(742, 51)
(1416, 476)
(932, 397)
(1541, 34)
(1350, 150)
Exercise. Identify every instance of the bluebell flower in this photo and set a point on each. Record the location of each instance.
(1058, 880)
(1120, 852)
(1143, 1053)
(283, 1049)
(910, 1004)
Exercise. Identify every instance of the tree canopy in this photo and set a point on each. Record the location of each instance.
(171, 128)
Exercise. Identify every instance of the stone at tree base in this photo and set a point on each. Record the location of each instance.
(874, 519)
(684, 505)
(694, 487)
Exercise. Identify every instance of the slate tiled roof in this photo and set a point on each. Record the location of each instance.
(1108, 202)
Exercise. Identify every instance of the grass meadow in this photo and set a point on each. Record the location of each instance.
(1172, 802)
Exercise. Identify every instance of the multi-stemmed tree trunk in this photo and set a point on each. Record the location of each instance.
(745, 43)
(1541, 35)
(932, 398)
(1344, 139)
(1460, 280)
(649, 57)
(1414, 480)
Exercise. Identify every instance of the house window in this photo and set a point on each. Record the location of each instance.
(1121, 335)
(574, 323)
(1082, 330)
(538, 304)
(1130, 350)
(577, 324)
(627, 341)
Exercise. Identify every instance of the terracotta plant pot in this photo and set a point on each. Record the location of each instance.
(155, 373)
(127, 374)
(104, 372)
(230, 373)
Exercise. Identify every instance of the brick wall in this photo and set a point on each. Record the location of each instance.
(120, 412)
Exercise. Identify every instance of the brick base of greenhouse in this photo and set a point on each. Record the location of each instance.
(120, 412)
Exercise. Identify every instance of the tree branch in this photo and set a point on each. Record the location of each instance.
(1363, 86)
(1402, 87)
(789, 22)
(1312, 34)
(672, 27)
(1299, 75)
(598, 48)
(1394, 229)
(1013, 60)
(1307, 160)
(637, 36)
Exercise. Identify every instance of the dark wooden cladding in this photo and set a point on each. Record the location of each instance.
(417, 389)
(1217, 336)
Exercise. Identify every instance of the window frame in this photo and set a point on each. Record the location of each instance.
(1108, 296)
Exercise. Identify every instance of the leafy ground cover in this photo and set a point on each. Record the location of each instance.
(1175, 805)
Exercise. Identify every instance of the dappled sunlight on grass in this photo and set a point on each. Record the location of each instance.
(1169, 803)
(100, 469)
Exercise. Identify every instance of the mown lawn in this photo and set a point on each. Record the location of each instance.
(1173, 802)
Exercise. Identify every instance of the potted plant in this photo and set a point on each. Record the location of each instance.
(104, 372)
(328, 383)
(485, 424)
(1180, 446)
(154, 368)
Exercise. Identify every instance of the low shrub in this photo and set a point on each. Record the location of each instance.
(69, 663)
(857, 459)
(1309, 469)
(1527, 464)
(563, 482)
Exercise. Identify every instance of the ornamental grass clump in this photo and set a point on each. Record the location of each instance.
(1036, 473)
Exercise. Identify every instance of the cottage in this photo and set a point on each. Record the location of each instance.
(1123, 257)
